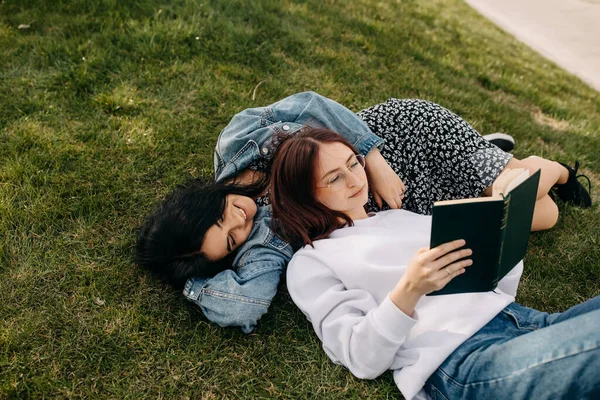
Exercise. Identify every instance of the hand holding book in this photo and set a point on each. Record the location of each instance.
(496, 228)
(430, 270)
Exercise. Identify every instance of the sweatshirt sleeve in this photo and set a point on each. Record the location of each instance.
(355, 330)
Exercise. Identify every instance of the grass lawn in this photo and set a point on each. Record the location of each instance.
(106, 105)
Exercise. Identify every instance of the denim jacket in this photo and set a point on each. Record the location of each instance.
(240, 296)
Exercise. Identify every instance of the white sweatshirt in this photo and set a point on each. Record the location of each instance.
(343, 286)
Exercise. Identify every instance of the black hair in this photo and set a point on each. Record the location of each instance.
(169, 241)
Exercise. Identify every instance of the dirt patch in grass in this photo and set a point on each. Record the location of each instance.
(546, 120)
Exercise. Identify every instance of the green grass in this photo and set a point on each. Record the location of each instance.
(106, 105)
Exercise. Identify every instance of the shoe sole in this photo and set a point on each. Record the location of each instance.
(502, 140)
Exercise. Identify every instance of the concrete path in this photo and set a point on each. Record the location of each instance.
(564, 31)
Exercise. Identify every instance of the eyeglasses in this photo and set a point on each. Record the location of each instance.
(338, 180)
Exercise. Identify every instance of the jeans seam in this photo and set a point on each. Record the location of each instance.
(450, 379)
(521, 324)
(438, 393)
(249, 144)
(516, 373)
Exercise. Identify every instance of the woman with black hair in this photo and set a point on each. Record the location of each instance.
(201, 229)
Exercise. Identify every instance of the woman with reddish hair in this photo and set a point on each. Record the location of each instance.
(362, 278)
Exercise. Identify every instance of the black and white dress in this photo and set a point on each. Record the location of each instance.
(436, 153)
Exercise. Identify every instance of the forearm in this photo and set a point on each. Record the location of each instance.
(405, 297)
(375, 160)
(329, 114)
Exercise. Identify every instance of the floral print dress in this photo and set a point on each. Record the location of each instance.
(436, 153)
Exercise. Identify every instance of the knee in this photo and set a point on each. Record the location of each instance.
(533, 163)
(545, 215)
(544, 224)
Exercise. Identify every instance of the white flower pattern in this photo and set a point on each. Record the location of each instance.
(437, 154)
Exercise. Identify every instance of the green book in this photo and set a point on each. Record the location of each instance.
(496, 228)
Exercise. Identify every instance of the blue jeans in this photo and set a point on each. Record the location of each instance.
(526, 354)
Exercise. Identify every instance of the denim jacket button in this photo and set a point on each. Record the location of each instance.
(285, 127)
(265, 150)
(192, 293)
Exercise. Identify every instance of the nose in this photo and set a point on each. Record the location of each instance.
(352, 179)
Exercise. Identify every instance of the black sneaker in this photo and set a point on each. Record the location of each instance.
(573, 191)
(502, 140)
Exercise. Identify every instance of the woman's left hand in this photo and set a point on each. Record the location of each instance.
(384, 183)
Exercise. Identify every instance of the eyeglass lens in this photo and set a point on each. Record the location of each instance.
(338, 180)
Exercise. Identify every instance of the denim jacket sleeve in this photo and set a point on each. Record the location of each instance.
(238, 298)
(247, 137)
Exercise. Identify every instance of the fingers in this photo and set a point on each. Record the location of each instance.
(428, 273)
(422, 250)
(453, 270)
(378, 200)
(449, 258)
(444, 249)
(394, 201)
(400, 198)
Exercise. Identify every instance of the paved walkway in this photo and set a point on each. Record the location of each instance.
(564, 31)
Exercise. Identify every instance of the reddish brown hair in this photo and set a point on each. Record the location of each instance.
(297, 214)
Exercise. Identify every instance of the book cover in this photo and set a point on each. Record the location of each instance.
(496, 228)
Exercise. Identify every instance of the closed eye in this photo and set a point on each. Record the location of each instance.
(230, 242)
(334, 178)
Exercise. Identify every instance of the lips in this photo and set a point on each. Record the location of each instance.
(357, 193)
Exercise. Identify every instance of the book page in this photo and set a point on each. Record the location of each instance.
(470, 200)
(504, 182)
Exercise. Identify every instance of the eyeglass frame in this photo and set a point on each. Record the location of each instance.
(361, 161)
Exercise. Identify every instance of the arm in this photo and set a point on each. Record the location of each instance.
(384, 183)
(356, 331)
(238, 298)
(321, 111)
(248, 135)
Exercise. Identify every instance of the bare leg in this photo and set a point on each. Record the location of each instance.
(552, 173)
(545, 214)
